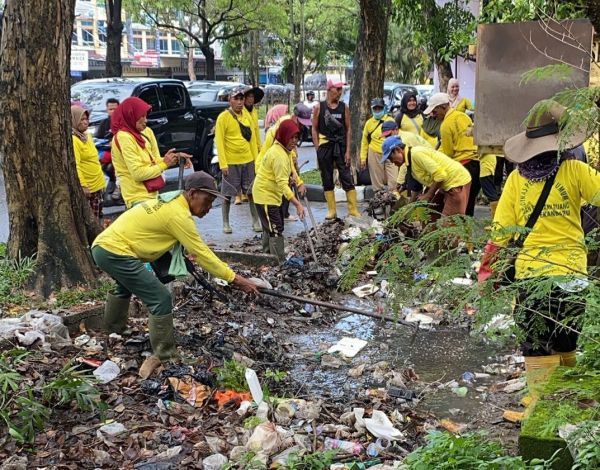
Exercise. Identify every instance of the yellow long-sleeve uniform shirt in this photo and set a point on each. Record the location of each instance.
(88, 165)
(464, 105)
(232, 148)
(268, 143)
(429, 166)
(372, 128)
(255, 128)
(415, 126)
(410, 140)
(272, 180)
(152, 228)
(556, 245)
(134, 165)
(457, 136)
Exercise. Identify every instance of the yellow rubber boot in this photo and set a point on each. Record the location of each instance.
(493, 207)
(537, 371)
(352, 204)
(331, 209)
(568, 359)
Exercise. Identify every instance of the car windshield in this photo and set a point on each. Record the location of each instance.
(203, 94)
(94, 95)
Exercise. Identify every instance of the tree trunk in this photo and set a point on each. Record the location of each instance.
(444, 75)
(253, 71)
(369, 65)
(209, 57)
(48, 213)
(114, 35)
(190, 65)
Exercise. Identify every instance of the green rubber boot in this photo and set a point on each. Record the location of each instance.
(225, 211)
(116, 313)
(265, 242)
(277, 248)
(256, 225)
(162, 337)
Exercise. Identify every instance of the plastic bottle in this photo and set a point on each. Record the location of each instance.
(254, 384)
(354, 447)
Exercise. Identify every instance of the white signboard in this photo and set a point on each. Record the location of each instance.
(79, 61)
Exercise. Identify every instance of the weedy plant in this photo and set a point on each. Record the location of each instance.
(474, 451)
(14, 274)
(232, 376)
(247, 461)
(25, 408)
(310, 461)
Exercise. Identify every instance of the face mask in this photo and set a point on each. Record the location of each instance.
(379, 114)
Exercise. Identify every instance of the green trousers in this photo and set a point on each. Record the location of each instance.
(133, 278)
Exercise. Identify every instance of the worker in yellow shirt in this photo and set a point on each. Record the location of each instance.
(237, 147)
(456, 133)
(252, 98)
(458, 102)
(273, 182)
(554, 247)
(87, 163)
(302, 117)
(405, 181)
(135, 153)
(384, 174)
(446, 180)
(143, 234)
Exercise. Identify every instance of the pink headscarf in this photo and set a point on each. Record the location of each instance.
(274, 114)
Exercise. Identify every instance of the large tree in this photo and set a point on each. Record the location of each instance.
(369, 64)
(205, 22)
(48, 213)
(114, 37)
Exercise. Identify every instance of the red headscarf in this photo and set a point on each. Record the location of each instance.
(287, 129)
(126, 115)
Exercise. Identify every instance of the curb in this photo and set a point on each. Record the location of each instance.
(315, 192)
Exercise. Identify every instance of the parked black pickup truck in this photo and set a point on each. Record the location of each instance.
(174, 120)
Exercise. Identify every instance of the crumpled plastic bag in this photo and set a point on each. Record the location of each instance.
(265, 438)
(35, 325)
(380, 426)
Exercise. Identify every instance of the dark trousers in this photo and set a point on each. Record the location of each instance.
(285, 207)
(473, 169)
(271, 219)
(133, 278)
(327, 162)
(543, 336)
(503, 168)
(489, 188)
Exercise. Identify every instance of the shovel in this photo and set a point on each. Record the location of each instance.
(306, 229)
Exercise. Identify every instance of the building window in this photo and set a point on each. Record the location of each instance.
(87, 32)
(102, 31)
(74, 39)
(175, 46)
(163, 46)
(138, 44)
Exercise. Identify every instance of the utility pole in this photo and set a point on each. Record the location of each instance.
(295, 53)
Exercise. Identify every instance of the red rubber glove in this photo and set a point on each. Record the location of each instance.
(489, 257)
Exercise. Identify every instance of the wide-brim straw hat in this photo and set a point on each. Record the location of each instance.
(542, 135)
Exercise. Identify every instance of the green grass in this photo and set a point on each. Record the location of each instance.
(79, 295)
(312, 177)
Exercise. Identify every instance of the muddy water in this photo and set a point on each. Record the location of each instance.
(436, 356)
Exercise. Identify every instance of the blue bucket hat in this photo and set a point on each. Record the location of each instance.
(389, 144)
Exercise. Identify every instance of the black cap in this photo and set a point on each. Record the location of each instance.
(202, 181)
(257, 92)
(377, 102)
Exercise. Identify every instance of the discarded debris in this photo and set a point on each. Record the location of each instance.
(107, 372)
(348, 347)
